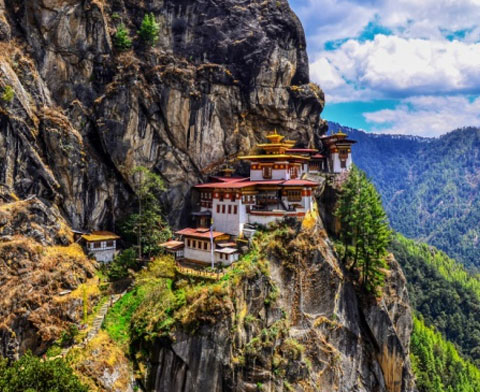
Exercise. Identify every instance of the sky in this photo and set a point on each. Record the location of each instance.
(396, 66)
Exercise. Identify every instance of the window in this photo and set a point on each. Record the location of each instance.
(343, 164)
(188, 243)
(223, 208)
(229, 209)
(235, 210)
(294, 196)
(267, 172)
(218, 208)
(205, 245)
(97, 245)
(293, 172)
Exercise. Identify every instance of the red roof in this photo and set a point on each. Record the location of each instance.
(173, 245)
(318, 156)
(234, 184)
(244, 184)
(268, 182)
(199, 233)
(229, 179)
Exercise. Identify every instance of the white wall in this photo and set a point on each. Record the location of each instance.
(198, 255)
(256, 175)
(242, 217)
(103, 255)
(230, 259)
(225, 222)
(336, 163)
(263, 219)
(280, 174)
(307, 202)
(277, 174)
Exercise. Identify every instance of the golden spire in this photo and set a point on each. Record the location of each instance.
(274, 137)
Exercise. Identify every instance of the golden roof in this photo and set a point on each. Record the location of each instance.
(276, 145)
(96, 236)
(274, 156)
(274, 137)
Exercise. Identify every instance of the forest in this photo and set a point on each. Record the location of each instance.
(429, 187)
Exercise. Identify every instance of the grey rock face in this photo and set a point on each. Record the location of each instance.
(221, 75)
(352, 341)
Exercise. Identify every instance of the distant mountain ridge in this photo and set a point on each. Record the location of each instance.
(430, 186)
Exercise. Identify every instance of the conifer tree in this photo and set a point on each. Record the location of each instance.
(121, 40)
(147, 225)
(365, 233)
(149, 29)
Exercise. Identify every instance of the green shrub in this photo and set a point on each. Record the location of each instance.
(32, 374)
(67, 338)
(149, 29)
(8, 94)
(119, 267)
(121, 40)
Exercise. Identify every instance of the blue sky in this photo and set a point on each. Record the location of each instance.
(396, 66)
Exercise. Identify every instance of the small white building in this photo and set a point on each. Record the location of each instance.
(175, 248)
(340, 152)
(197, 246)
(102, 245)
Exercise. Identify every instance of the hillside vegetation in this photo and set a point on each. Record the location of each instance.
(437, 365)
(430, 187)
(443, 292)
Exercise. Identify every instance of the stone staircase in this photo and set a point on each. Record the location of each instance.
(96, 326)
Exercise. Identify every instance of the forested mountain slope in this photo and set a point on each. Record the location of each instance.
(430, 187)
(443, 293)
(437, 365)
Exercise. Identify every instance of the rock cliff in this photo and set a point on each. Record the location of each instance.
(40, 274)
(288, 318)
(83, 114)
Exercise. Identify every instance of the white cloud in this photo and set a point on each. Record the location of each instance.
(426, 116)
(428, 59)
(329, 20)
(342, 19)
(391, 66)
(333, 84)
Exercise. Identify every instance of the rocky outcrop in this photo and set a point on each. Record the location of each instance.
(38, 267)
(83, 114)
(298, 323)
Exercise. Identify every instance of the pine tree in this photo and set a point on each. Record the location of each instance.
(149, 29)
(365, 233)
(345, 211)
(121, 40)
(147, 225)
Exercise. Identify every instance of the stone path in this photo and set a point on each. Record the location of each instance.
(97, 324)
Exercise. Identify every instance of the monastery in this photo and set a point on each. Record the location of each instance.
(281, 185)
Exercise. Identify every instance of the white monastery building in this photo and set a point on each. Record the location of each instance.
(279, 186)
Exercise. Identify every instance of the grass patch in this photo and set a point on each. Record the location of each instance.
(117, 320)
